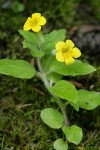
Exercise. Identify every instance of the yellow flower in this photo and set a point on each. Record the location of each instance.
(65, 51)
(35, 22)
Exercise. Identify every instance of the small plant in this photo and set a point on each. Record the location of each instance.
(54, 60)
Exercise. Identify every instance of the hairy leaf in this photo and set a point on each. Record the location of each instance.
(59, 144)
(88, 99)
(65, 90)
(73, 134)
(29, 36)
(52, 38)
(34, 51)
(78, 68)
(16, 68)
(52, 118)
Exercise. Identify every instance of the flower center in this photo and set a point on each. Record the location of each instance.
(35, 22)
(65, 49)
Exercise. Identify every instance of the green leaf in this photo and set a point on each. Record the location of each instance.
(29, 36)
(65, 90)
(52, 118)
(59, 144)
(54, 77)
(34, 51)
(73, 134)
(75, 105)
(16, 68)
(78, 68)
(50, 64)
(31, 42)
(46, 62)
(88, 99)
(52, 38)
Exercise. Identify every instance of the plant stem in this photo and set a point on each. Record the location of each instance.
(43, 77)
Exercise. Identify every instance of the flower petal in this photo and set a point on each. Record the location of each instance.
(59, 46)
(59, 56)
(76, 52)
(36, 15)
(69, 60)
(36, 28)
(69, 44)
(42, 21)
(67, 54)
(35, 22)
(28, 24)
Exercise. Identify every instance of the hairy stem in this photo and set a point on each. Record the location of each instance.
(43, 77)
